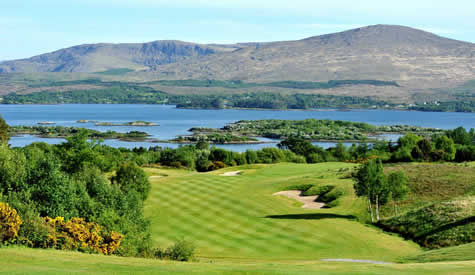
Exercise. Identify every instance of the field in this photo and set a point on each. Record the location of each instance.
(38, 261)
(465, 252)
(239, 218)
(240, 227)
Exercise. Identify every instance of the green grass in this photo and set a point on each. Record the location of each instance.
(439, 210)
(239, 218)
(465, 252)
(239, 227)
(39, 261)
(431, 182)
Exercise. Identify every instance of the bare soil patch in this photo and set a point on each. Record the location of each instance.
(308, 201)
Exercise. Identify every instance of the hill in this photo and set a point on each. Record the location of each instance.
(112, 58)
(413, 58)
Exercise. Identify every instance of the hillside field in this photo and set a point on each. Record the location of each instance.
(240, 227)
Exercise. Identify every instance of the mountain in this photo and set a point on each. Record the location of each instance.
(414, 58)
(105, 56)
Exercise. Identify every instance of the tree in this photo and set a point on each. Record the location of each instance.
(251, 156)
(460, 136)
(4, 136)
(202, 145)
(398, 184)
(130, 177)
(424, 147)
(406, 145)
(446, 145)
(340, 152)
(77, 152)
(297, 145)
(12, 170)
(371, 183)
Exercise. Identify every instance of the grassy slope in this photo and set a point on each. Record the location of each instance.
(439, 210)
(431, 182)
(465, 252)
(39, 261)
(227, 216)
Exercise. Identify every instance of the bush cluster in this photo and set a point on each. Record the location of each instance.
(77, 234)
(68, 180)
(10, 222)
(452, 145)
(182, 250)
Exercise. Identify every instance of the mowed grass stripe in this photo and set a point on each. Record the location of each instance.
(227, 216)
(287, 241)
(228, 223)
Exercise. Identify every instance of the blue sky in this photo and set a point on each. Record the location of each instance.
(31, 27)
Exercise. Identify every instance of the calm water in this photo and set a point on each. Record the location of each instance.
(174, 122)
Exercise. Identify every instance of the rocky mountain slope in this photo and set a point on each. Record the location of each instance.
(414, 58)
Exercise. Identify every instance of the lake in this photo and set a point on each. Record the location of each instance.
(174, 122)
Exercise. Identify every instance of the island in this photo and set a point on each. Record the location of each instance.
(133, 123)
(216, 138)
(64, 132)
(310, 129)
(86, 121)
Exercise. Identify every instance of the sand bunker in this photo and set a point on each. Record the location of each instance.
(231, 174)
(308, 201)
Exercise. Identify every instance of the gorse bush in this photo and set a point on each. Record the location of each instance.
(10, 222)
(77, 234)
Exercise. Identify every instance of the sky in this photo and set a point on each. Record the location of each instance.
(32, 27)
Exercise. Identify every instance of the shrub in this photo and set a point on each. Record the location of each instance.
(315, 158)
(181, 250)
(251, 156)
(131, 177)
(318, 190)
(302, 187)
(78, 234)
(217, 165)
(333, 203)
(292, 157)
(332, 195)
(9, 222)
(33, 232)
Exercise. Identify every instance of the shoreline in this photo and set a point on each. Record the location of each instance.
(250, 109)
(153, 140)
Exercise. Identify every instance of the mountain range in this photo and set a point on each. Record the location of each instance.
(415, 59)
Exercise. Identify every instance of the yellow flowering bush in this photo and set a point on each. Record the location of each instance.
(79, 234)
(9, 222)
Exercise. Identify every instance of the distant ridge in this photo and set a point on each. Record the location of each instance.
(412, 57)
